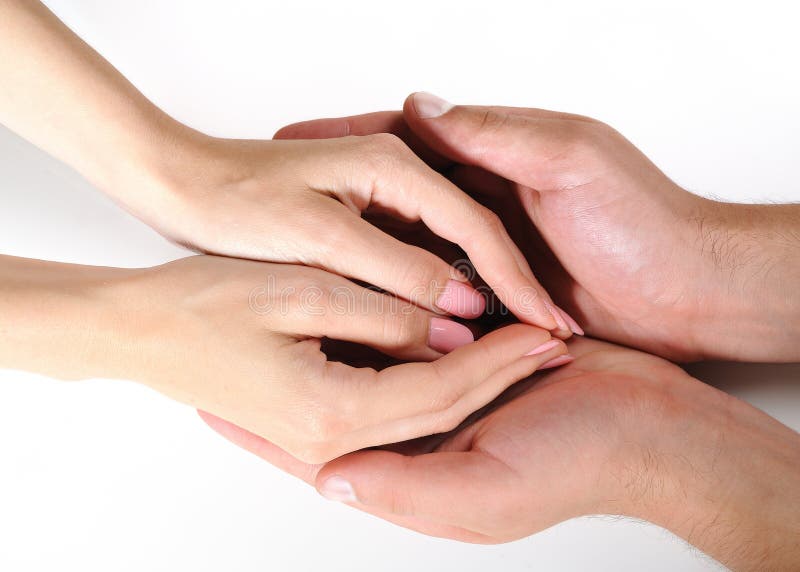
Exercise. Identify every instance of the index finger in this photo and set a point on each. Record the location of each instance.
(366, 124)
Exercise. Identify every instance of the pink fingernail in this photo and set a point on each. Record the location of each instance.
(573, 325)
(560, 322)
(461, 300)
(446, 335)
(338, 489)
(543, 348)
(555, 362)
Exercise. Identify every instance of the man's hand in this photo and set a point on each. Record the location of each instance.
(615, 432)
(633, 256)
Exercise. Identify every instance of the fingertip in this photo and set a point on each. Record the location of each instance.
(429, 106)
(446, 335)
(461, 299)
(573, 325)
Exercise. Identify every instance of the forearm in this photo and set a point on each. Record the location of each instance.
(60, 94)
(60, 320)
(726, 478)
(753, 252)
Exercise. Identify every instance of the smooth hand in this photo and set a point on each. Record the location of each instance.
(276, 201)
(244, 340)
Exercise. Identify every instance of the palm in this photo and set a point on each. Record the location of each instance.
(607, 251)
(558, 434)
(551, 448)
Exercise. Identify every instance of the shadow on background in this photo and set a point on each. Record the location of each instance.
(773, 388)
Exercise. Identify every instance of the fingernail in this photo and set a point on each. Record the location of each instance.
(447, 335)
(429, 106)
(543, 348)
(338, 489)
(560, 322)
(461, 300)
(573, 325)
(555, 362)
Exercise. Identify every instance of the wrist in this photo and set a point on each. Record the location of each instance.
(179, 185)
(60, 320)
(747, 309)
(723, 476)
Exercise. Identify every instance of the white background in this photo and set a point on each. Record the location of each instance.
(100, 476)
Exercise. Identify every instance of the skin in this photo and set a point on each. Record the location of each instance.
(242, 339)
(279, 201)
(616, 431)
(637, 259)
(593, 202)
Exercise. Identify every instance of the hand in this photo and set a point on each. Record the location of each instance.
(635, 257)
(614, 432)
(287, 201)
(242, 339)
(301, 202)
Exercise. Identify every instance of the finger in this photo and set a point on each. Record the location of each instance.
(414, 192)
(468, 489)
(418, 399)
(281, 459)
(366, 124)
(532, 147)
(324, 305)
(410, 272)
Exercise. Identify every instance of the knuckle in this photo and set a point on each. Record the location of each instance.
(400, 330)
(312, 453)
(488, 218)
(385, 142)
(444, 403)
(420, 271)
(305, 298)
(586, 139)
(318, 433)
(385, 151)
(493, 120)
(448, 420)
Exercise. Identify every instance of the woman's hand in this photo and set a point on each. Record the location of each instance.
(302, 201)
(616, 432)
(264, 200)
(242, 340)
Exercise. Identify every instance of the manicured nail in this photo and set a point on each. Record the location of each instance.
(543, 348)
(446, 335)
(429, 106)
(560, 322)
(461, 300)
(555, 362)
(573, 325)
(338, 489)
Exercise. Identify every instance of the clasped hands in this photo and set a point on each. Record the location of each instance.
(636, 260)
(381, 397)
(329, 324)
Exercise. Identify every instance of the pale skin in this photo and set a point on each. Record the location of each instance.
(290, 202)
(278, 201)
(193, 330)
(616, 431)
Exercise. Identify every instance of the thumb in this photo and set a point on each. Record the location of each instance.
(532, 147)
(465, 489)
